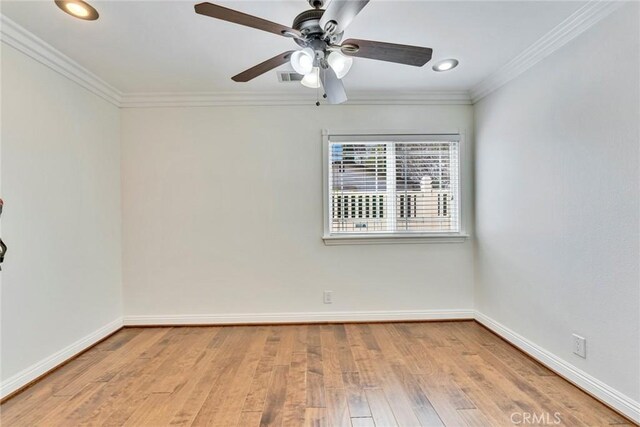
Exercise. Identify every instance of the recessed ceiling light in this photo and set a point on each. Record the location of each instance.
(445, 65)
(78, 9)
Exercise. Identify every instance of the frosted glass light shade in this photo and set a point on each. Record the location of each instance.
(312, 79)
(340, 63)
(302, 60)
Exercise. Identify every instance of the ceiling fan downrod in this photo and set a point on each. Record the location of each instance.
(316, 4)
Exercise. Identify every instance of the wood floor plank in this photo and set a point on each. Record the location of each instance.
(238, 388)
(316, 417)
(191, 344)
(300, 340)
(399, 374)
(315, 373)
(296, 399)
(380, 409)
(31, 416)
(473, 418)
(420, 403)
(225, 359)
(356, 397)
(146, 409)
(120, 391)
(74, 410)
(197, 360)
(345, 357)
(496, 408)
(285, 349)
(134, 394)
(363, 422)
(444, 394)
(272, 414)
(393, 389)
(337, 409)
(250, 419)
(186, 411)
(257, 393)
(332, 372)
(435, 381)
(219, 388)
(365, 351)
(110, 365)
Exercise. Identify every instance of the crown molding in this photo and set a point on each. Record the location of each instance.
(580, 21)
(208, 99)
(19, 38)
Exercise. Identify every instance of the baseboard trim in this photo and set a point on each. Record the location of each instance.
(591, 385)
(283, 318)
(33, 373)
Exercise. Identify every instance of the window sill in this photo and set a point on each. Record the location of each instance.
(382, 239)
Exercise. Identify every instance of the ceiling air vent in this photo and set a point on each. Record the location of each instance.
(289, 76)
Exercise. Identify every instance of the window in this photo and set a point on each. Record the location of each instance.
(380, 186)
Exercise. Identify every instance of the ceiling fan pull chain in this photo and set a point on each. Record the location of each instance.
(318, 88)
(324, 76)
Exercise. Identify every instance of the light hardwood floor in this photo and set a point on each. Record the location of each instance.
(385, 374)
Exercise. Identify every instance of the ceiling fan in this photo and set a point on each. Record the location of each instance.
(322, 59)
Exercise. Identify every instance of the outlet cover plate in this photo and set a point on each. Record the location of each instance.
(580, 346)
(327, 297)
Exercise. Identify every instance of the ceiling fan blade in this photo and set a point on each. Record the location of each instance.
(342, 13)
(263, 67)
(230, 15)
(390, 52)
(333, 86)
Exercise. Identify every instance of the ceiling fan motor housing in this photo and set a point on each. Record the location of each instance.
(308, 23)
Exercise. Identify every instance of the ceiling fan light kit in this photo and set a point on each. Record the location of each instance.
(322, 59)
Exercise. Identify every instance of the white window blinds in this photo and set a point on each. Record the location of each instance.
(407, 184)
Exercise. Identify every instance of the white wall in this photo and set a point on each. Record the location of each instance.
(62, 221)
(223, 215)
(557, 202)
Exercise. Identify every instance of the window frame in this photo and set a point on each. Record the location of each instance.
(397, 236)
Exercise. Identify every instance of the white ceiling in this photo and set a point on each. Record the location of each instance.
(163, 46)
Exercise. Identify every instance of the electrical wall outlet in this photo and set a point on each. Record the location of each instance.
(327, 297)
(580, 345)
